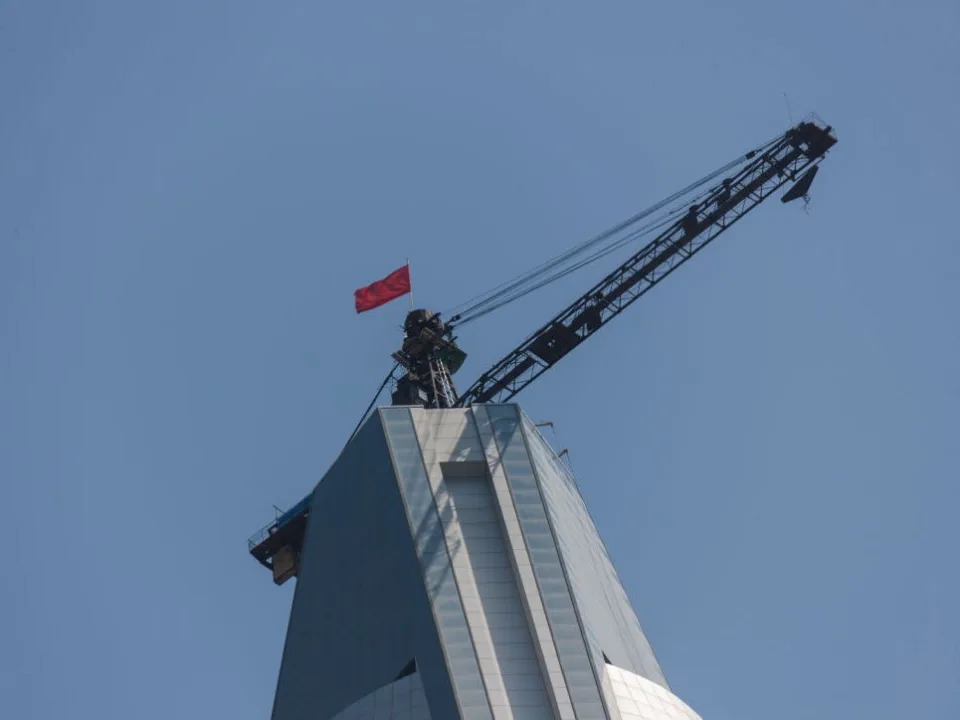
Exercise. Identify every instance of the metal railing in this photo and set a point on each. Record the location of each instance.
(281, 519)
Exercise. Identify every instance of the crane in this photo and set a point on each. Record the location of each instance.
(429, 355)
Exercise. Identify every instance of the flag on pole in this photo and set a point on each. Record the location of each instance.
(383, 291)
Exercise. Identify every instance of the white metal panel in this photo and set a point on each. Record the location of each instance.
(641, 699)
(495, 612)
(545, 649)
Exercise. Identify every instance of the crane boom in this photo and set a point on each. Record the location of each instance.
(792, 157)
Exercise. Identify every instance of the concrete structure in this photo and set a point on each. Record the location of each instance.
(451, 570)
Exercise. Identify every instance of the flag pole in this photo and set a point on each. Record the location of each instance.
(411, 285)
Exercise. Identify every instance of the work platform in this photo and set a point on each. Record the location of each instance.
(277, 546)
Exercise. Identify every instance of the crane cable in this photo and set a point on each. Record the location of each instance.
(373, 402)
(513, 290)
(534, 279)
(603, 252)
(656, 224)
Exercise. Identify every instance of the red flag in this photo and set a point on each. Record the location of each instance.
(383, 291)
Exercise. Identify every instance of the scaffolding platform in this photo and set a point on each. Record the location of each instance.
(277, 546)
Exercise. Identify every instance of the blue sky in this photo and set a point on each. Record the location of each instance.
(190, 192)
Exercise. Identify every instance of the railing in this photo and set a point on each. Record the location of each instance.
(282, 519)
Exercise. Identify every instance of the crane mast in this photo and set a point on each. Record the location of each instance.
(792, 157)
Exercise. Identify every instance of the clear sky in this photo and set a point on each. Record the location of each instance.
(190, 191)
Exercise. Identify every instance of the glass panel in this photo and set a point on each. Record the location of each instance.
(605, 609)
(541, 545)
(435, 561)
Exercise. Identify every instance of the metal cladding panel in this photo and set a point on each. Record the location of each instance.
(479, 532)
(491, 597)
(360, 611)
(580, 675)
(533, 602)
(429, 510)
(610, 623)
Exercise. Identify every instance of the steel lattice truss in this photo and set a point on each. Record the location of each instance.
(793, 157)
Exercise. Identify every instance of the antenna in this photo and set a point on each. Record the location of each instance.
(786, 100)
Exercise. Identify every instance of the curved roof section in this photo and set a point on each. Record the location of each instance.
(640, 699)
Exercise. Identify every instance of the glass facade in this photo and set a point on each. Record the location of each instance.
(610, 623)
(438, 574)
(402, 699)
(546, 649)
(547, 567)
